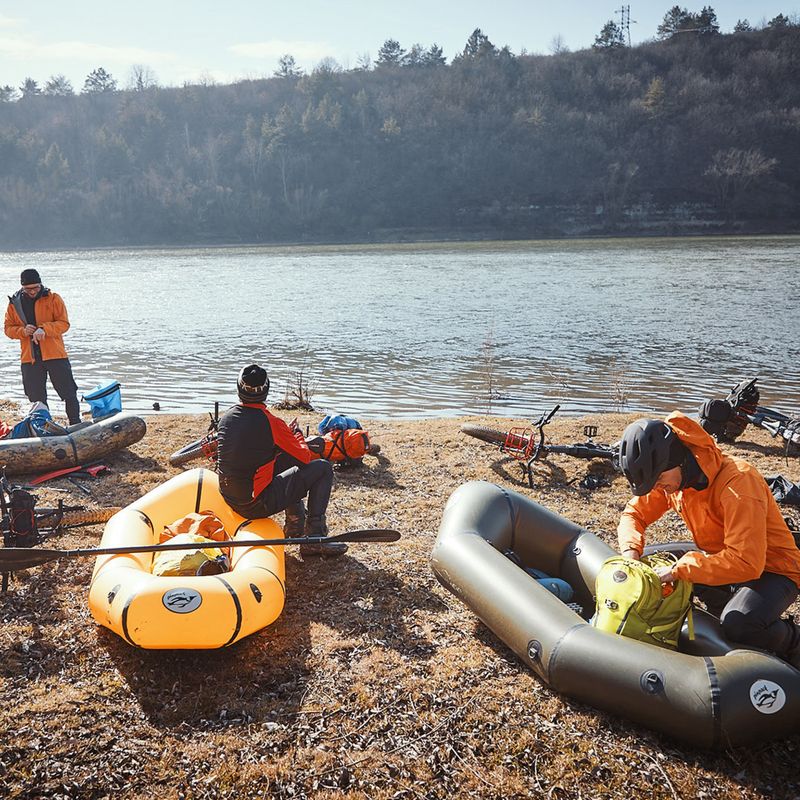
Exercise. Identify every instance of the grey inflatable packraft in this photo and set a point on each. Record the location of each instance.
(709, 693)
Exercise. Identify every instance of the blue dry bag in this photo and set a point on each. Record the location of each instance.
(33, 424)
(338, 422)
(105, 399)
(560, 588)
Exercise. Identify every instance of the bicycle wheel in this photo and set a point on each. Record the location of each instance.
(196, 449)
(485, 434)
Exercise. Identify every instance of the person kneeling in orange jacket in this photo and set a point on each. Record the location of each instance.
(746, 551)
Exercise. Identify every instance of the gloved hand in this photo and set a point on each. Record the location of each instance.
(316, 444)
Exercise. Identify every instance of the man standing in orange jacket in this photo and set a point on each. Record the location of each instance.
(38, 318)
(746, 549)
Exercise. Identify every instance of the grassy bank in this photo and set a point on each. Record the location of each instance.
(375, 681)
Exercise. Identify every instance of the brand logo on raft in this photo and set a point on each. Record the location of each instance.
(767, 697)
(182, 601)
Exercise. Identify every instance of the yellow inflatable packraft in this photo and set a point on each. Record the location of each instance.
(186, 612)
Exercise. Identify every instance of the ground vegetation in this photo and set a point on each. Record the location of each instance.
(374, 682)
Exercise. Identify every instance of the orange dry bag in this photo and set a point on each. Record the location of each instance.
(345, 445)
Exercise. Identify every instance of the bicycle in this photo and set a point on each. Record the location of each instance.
(524, 445)
(204, 446)
(207, 446)
(23, 525)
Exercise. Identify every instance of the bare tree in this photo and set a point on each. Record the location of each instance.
(735, 171)
(327, 66)
(558, 45)
(616, 188)
(142, 78)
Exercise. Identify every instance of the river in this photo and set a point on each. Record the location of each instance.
(434, 329)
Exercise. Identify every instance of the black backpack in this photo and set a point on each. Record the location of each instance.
(726, 419)
(22, 528)
(19, 522)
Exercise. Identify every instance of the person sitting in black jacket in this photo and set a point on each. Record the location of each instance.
(265, 466)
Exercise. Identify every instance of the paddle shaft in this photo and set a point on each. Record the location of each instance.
(349, 536)
(13, 558)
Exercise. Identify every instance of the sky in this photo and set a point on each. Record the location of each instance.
(223, 41)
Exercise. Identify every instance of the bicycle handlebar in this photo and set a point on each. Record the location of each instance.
(546, 417)
(552, 413)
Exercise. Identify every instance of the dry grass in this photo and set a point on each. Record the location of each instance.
(375, 682)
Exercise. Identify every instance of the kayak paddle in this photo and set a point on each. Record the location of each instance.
(16, 558)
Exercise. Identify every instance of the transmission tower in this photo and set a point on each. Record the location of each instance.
(625, 23)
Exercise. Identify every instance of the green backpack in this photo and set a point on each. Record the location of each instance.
(631, 601)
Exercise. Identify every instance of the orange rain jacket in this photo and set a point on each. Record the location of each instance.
(51, 317)
(735, 521)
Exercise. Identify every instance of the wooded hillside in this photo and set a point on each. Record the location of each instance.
(693, 133)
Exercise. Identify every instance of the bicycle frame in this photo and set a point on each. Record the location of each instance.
(776, 424)
(743, 399)
(521, 444)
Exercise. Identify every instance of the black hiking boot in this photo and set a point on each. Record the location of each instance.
(316, 526)
(294, 523)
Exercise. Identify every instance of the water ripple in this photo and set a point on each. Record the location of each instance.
(420, 331)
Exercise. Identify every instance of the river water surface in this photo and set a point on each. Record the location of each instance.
(433, 330)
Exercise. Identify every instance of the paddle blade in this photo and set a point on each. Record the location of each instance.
(367, 535)
(16, 558)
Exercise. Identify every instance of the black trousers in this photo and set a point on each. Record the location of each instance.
(750, 612)
(291, 482)
(34, 382)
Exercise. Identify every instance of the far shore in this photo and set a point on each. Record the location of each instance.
(412, 242)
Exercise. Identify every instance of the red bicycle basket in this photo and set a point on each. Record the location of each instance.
(520, 443)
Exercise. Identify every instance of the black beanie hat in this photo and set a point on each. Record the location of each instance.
(253, 384)
(29, 276)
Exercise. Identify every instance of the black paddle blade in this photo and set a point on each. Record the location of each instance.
(366, 535)
(16, 558)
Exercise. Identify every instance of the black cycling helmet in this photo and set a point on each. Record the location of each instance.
(648, 447)
(252, 384)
